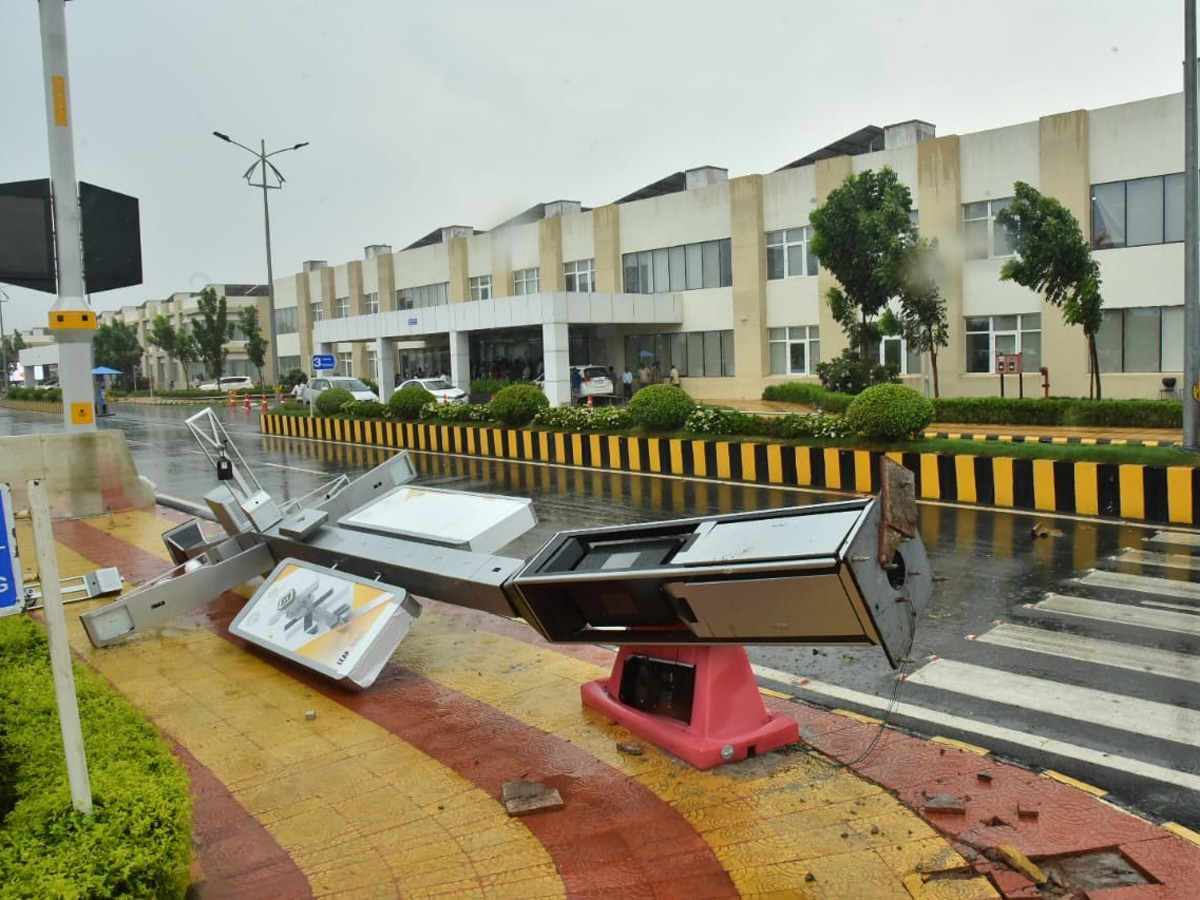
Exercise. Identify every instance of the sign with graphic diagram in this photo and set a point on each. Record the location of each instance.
(11, 578)
(332, 622)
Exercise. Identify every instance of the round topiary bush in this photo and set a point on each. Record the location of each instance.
(331, 400)
(889, 412)
(406, 403)
(517, 404)
(661, 407)
(368, 409)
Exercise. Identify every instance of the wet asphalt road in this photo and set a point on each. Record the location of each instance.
(1130, 727)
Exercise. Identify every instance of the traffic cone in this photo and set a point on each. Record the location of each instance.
(590, 404)
(247, 404)
(265, 408)
(232, 399)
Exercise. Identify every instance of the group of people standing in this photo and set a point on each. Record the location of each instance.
(647, 375)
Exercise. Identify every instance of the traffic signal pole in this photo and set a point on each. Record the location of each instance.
(72, 320)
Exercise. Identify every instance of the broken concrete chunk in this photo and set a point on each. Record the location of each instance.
(946, 803)
(523, 797)
(631, 749)
(1022, 863)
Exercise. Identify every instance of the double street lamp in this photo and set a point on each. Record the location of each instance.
(261, 160)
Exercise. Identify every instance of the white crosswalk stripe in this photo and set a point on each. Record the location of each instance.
(1182, 561)
(1183, 623)
(1178, 538)
(1162, 587)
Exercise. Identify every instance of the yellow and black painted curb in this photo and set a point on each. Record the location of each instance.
(1043, 439)
(1158, 494)
(45, 406)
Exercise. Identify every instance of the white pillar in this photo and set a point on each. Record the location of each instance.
(556, 359)
(385, 356)
(460, 359)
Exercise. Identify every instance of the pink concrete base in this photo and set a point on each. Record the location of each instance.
(727, 710)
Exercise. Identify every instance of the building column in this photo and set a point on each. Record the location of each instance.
(1065, 174)
(460, 359)
(459, 284)
(829, 174)
(385, 352)
(550, 255)
(556, 360)
(748, 248)
(385, 281)
(939, 200)
(304, 321)
(606, 239)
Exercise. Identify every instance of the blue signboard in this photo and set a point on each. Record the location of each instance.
(324, 361)
(11, 578)
(412, 321)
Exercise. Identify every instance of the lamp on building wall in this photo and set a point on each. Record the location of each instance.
(261, 156)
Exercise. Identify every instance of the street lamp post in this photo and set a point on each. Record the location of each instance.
(262, 156)
(3, 350)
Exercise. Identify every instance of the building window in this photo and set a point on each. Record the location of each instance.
(371, 302)
(288, 363)
(697, 354)
(580, 276)
(794, 350)
(525, 281)
(983, 236)
(893, 350)
(683, 268)
(788, 253)
(989, 335)
(373, 365)
(287, 320)
(481, 287)
(316, 311)
(424, 295)
(1141, 339)
(236, 334)
(1138, 212)
(346, 364)
(341, 307)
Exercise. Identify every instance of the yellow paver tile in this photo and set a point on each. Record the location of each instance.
(921, 856)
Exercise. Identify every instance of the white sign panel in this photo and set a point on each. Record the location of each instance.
(11, 578)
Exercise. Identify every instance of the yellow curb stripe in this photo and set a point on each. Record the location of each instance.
(1132, 490)
(862, 471)
(769, 692)
(724, 466)
(833, 468)
(1179, 831)
(775, 463)
(1087, 490)
(1043, 484)
(964, 476)
(699, 460)
(749, 464)
(961, 745)
(930, 480)
(858, 717)
(1074, 782)
(1179, 494)
(803, 466)
(1002, 480)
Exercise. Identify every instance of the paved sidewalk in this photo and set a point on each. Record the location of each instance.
(394, 791)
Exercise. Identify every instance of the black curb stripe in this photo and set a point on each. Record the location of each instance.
(710, 458)
(912, 462)
(1154, 486)
(876, 464)
(789, 465)
(947, 477)
(816, 463)
(1108, 491)
(847, 470)
(1064, 486)
(985, 481)
(688, 457)
(1023, 483)
(762, 469)
(735, 461)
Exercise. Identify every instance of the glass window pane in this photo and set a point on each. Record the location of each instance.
(795, 260)
(977, 210)
(812, 261)
(1003, 243)
(662, 276)
(1108, 215)
(712, 264)
(1005, 323)
(1031, 321)
(1109, 340)
(712, 353)
(695, 357)
(913, 361)
(1143, 333)
(975, 237)
(796, 358)
(978, 324)
(1006, 343)
(779, 358)
(777, 334)
(1144, 212)
(678, 269)
(646, 272)
(978, 357)
(1173, 211)
(727, 361)
(891, 351)
(795, 235)
(725, 249)
(678, 353)
(814, 350)
(1172, 339)
(631, 273)
(775, 262)
(1031, 349)
(774, 237)
(695, 267)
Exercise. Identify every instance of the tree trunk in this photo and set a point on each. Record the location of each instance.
(1095, 364)
(933, 364)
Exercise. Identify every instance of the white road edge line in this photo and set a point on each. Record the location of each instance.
(995, 732)
(293, 469)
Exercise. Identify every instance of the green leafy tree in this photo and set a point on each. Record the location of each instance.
(116, 346)
(210, 332)
(13, 345)
(1053, 258)
(163, 335)
(256, 344)
(862, 234)
(921, 319)
(186, 350)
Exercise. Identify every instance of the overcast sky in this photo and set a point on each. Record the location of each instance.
(427, 114)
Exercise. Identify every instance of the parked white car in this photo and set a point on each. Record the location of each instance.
(593, 382)
(309, 390)
(441, 389)
(229, 383)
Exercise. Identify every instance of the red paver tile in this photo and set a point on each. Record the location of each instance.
(1167, 859)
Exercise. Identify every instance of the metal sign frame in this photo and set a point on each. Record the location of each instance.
(12, 579)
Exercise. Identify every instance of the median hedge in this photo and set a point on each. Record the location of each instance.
(137, 842)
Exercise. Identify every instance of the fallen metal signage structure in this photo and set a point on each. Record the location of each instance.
(681, 598)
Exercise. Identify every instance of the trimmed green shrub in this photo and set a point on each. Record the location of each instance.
(848, 374)
(458, 412)
(406, 403)
(812, 394)
(331, 400)
(137, 842)
(517, 404)
(580, 418)
(888, 412)
(367, 409)
(794, 427)
(292, 378)
(660, 407)
(370, 383)
(720, 420)
(493, 386)
(1059, 411)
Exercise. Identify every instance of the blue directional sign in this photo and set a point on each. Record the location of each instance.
(324, 361)
(11, 579)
